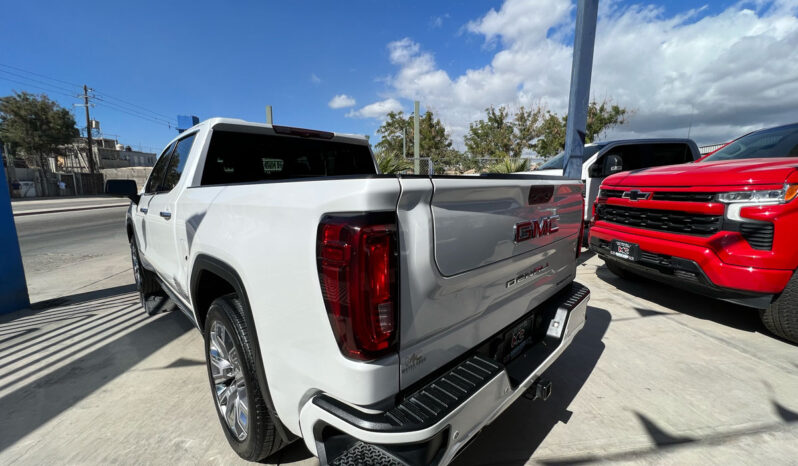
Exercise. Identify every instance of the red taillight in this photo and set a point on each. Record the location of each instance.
(581, 228)
(357, 271)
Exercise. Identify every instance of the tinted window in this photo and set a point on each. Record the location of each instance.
(636, 156)
(235, 157)
(773, 142)
(158, 170)
(557, 160)
(178, 161)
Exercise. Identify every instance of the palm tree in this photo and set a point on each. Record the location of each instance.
(508, 165)
(390, 164)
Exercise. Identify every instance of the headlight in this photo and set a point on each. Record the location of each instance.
(770, 196)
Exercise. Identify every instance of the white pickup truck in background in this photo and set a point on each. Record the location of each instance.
(388, 317)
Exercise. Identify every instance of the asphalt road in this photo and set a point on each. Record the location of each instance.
(54, 243)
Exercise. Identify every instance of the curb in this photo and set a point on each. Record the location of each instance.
(67, 209)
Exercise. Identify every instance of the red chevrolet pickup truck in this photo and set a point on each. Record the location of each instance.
(725, 226)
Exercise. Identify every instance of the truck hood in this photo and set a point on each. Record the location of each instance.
(724, 173)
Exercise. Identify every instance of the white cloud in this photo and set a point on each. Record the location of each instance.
(722, 73)
(377, 109)
(436, 22)
(341, 101)
(314, 79)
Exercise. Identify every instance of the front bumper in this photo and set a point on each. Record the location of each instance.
(722, 275)
(683, 273)
(434, 422)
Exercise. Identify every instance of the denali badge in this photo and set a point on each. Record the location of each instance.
(526, 275)
(635, 195)
(411, 362)
(524, 231)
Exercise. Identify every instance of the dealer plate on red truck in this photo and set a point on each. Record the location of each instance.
(624, 250)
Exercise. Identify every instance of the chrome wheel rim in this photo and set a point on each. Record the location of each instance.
(136, 266)
(230, 389)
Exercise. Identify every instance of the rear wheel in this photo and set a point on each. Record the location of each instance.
(781, 317)
(240, 404)
(152, 297)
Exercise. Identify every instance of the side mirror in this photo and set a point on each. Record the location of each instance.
(612, 164)
(123, 188)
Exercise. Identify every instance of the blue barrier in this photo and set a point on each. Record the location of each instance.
(13, 289)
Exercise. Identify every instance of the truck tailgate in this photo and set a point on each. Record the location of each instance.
(478, 253)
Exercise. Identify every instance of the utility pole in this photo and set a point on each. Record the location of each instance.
(88, 128)
(581, 70)
(404, 141)
(416, 139)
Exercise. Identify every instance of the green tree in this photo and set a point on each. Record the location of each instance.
(435, 142)
(389, 164)
(35, 125)
(600, 118)
(503, 134)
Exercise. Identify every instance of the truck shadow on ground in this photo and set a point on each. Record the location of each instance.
(118, 325)
(519, 431)
(685, 302)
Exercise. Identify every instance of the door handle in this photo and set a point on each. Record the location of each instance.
(144, 210)
(166, 215)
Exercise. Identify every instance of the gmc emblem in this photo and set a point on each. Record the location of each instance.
(524, 231)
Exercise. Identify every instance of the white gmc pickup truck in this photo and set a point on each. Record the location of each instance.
(383, 319)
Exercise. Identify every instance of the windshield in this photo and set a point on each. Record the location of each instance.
(557, 161)
(774, 142)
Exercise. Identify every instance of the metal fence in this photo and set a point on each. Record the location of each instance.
(712, 147)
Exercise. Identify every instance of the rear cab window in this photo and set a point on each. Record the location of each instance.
(637, 156)
(241, 157)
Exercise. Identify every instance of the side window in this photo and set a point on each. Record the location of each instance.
(158, 170)
(177, 163)
(667, 154)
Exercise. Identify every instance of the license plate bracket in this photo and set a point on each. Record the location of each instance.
(625, 250)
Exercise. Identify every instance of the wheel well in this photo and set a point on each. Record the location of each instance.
(209, 287)
(129, 231)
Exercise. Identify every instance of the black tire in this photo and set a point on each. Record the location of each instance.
(781, 317)
(262, 439)
(618, 270)
(151, 295)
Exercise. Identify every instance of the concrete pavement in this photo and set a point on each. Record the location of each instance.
(657, 376)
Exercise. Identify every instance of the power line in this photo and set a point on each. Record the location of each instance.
(55, 86)
(38, 87)
(107, 96)
(138, 115)
(41, 75)
(131, 110)
(120, 104)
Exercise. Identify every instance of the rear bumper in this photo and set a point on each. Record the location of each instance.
(436, 421)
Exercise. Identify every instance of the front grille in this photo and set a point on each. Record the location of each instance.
(608, 193)
(759, 235)
(661, 220)
(683, 196)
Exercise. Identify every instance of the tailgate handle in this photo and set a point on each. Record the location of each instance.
(540, 194)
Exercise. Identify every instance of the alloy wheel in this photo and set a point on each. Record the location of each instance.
(230, 388)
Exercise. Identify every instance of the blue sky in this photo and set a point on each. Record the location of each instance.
(233, 58)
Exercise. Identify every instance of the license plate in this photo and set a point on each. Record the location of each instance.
(624, 250)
